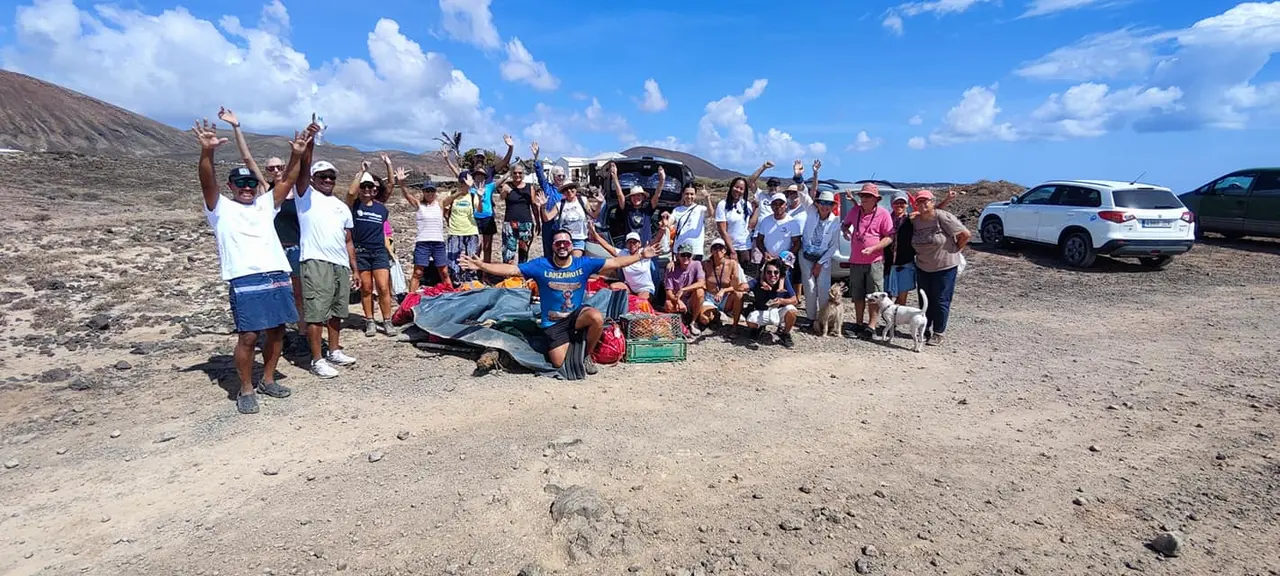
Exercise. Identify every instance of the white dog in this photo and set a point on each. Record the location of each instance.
(892, 315)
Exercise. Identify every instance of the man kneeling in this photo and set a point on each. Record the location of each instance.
(562, 283)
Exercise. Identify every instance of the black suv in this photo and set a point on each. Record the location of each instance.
(642, 171)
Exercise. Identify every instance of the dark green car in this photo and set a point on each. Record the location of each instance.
(1242, 203)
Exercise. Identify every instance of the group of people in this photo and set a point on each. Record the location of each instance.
(292, 251)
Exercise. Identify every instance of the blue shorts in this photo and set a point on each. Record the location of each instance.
(294, 254)
(262, 301)
(426, 252)
(901, 279)
(710, 300)
(372, 259)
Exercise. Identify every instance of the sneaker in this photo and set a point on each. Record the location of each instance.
(590, 365)
(695, 330)
(247, 403)
(322, 369)
(340, 358)
(272, 389)
(787, 342)
(936, 340)
(756, 333)
(370, 328)
(387, 328)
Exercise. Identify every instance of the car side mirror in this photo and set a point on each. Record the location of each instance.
(1013, 199)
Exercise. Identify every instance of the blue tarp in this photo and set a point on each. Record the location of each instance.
(466, 317)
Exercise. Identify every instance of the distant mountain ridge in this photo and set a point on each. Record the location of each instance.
(701, 168)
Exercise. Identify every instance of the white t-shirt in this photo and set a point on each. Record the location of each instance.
(430, 220)
(324, 221)
(691, 226)
(638, 276)
(736, 219)
(574, 219)
(246, 236)
(800, 214)
(778, 233)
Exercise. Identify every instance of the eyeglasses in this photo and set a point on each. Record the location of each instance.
(275, 168)
(245, 182)
(368, 185)
(326, 176)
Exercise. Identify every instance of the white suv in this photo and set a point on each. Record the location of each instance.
(1085, 218)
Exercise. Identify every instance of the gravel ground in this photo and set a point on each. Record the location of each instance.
(1070, 421)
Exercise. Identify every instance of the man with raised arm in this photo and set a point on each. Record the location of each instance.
(286, 220)
(551, 189)
(328, 260)
(252, 261)
(562, 282)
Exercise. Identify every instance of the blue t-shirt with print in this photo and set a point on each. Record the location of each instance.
(486, 200)
(560, 289)
(367, 226)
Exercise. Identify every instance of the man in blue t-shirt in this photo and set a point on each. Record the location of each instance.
(562, 282)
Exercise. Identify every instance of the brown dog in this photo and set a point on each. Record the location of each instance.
(831, 315)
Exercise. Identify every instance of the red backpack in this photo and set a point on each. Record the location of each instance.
(612, 347)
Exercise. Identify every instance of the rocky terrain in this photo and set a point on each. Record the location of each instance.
(1108, 421)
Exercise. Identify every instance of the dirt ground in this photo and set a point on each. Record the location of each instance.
(1069, 419)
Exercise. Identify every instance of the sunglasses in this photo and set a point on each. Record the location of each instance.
(772, 272)
(559, 243)
(368, 185)
(326, 176)
(717, 247)
(825, 203)
(686, 255)
(275, 168)
(245, 182)
(922, 200)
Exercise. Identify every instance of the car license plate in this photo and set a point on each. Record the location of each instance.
(1157, 223)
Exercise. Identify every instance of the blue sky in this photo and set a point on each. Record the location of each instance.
(957, 90)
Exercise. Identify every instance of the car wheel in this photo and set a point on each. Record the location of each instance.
(1077, 250)
(1156, 262)
(992, 232)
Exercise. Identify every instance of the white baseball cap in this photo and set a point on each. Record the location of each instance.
(778, 197)
(633, 236)
(717, 242)
(637, 189)
(322, 166)
(367, 178)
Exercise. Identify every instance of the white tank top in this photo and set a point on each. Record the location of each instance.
(430, 219)
(574, 219)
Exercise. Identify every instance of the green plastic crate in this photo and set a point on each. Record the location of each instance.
(651, 351)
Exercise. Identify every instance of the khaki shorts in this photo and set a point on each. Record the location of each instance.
(865, 279)
(326, 291)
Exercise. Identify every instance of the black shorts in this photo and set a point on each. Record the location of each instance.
(563, 331)
(487, 226)
(372, 259)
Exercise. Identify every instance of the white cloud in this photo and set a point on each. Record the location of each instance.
(170, 65)
(1044, 7)
(893, 17)
(552, 139)
(864, 143)
(551, 127)
(521, 67)
(893, 23)
(973, 119)
(1212, 63)
(725, 137)
(275, 19)
(917, 143)
(470, 21)
(916, 120)
(653, 100)
(1089, 110)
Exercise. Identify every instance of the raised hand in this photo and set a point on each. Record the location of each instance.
(506, 139)
(662, 172)
(649, 251)
(533, 147)
(768, 164)
(539, 199)
(385, 159)
(613, 170)
(300, 141)
(364, 166)
(951, 193)
(402, 175)
(314, 127)
(817, 165)
(207, 134)
(798, 167)
(229, 117)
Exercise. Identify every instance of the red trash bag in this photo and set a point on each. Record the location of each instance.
(612, 347)
(404, 314)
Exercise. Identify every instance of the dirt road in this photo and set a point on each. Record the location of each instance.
(1070, 418)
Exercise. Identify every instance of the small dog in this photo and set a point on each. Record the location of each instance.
(831, 315)
(892, 315)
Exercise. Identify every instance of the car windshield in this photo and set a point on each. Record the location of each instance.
(645, 174)
(1146, 199)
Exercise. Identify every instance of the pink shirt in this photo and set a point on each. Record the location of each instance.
(386, 228)
(870, 229)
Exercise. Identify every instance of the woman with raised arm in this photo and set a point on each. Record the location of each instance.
(637, 278)
(572, 214)
(373, 260)
(428, 248)
(638, 205)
